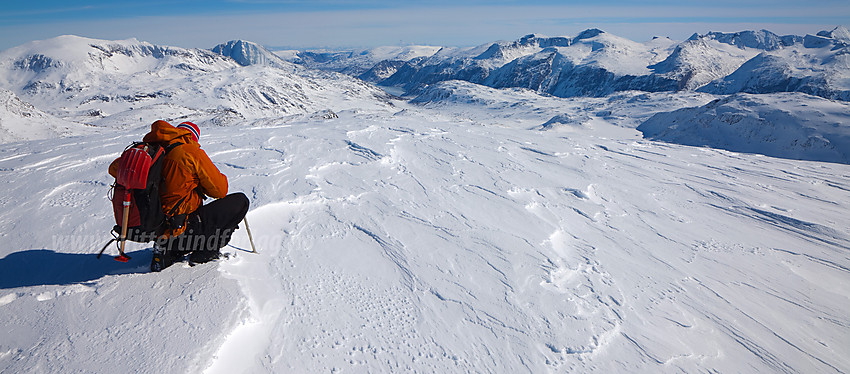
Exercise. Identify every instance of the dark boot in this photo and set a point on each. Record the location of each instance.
(202, 256)
(163, 258)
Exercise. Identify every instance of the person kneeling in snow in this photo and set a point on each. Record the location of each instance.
(188, 177)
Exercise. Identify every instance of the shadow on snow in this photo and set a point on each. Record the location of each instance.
(37, 267)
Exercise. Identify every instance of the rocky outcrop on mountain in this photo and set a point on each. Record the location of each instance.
(248, 53)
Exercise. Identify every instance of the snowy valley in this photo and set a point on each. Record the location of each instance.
(683, 216)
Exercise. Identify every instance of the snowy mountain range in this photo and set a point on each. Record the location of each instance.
(130, 83)
(595, 63)
(78, 85)
(371, 65)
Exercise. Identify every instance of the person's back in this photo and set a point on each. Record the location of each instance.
(188, 178)
(188, 174)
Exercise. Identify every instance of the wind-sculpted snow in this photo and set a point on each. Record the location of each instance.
(447, 236)
(472, 229)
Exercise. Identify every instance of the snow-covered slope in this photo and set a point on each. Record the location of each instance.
(838, 33)
(21, 121)
(473, 229)
(789, 125)
(442, 237)
(130, 83)
(593, 63)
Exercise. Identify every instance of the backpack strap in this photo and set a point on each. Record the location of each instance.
(171, 146)
(174, 221)
(160, 151)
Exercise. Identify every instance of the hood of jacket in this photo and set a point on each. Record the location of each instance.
(164, 132)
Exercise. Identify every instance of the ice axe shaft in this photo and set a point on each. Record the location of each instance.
(124, 221)
(250, 238)
(132, 174)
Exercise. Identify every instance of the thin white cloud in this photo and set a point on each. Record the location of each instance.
(435, 25)
(45, 11)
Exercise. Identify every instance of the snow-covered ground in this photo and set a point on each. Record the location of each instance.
(444, 236)
(470, 229)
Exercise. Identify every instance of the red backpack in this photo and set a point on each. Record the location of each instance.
(135, 195)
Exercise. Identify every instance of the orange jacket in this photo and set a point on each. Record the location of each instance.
(187, 172)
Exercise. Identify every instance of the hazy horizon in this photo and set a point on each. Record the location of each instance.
(333, 24)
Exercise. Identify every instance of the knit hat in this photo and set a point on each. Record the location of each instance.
(193, 128)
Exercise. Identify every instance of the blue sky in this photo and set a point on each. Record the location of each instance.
(368, 23)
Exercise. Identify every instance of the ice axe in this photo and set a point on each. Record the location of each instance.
(132, 174)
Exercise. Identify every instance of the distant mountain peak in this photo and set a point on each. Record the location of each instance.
(589, 33)
(839, 33)
(247, 53)
(762, 39)
(73, 56)
(529, 37)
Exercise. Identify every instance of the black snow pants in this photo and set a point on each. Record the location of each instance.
(210, 227)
